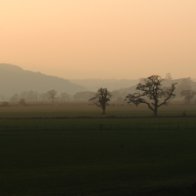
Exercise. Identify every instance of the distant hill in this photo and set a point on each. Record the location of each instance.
(111, 84)
(182, 84)
(121, 88)
(14, 79)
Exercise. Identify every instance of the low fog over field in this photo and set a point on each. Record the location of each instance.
(17, 84)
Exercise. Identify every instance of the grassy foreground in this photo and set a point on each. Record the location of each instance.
(95, 157)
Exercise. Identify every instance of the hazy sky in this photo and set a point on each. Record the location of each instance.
(100, 38)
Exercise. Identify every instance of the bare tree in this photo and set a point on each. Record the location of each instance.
(151, 92)
(14, 99)
(83, 96)
(188, 95)
(64, 97)
(29, 96)
(102, 99)
(52, 95)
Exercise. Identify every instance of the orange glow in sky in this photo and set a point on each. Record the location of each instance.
(100, 38)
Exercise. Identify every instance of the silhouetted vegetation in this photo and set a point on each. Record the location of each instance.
(102, 99)
(152, 93)
(83, 96)
(188, 95)
(51, 94)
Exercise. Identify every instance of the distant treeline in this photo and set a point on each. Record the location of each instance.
(185, 92)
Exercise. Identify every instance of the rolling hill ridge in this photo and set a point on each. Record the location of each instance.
(14, 79)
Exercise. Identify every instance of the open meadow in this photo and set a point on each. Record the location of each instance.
(65, 150)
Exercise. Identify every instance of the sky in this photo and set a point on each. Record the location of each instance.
(106, 39)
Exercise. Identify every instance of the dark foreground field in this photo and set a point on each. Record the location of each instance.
(95, 157)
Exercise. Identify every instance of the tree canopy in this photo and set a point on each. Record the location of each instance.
(102, 99)
(152, 92)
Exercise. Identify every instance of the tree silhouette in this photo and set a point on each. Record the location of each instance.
(51, 95)
(151, 92)
(102, 99)
(188, 95)
(64, 97)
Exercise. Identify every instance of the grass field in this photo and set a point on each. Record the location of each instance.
(87, 110)
(45, 153)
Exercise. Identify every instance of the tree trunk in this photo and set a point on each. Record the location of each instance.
(52, 101)
(155, 111)
(103, 110)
